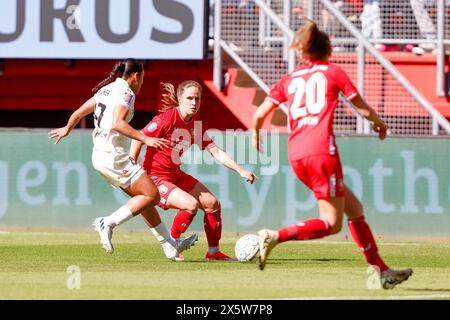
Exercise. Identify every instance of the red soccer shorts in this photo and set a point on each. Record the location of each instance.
(322, 174)
(166, 184)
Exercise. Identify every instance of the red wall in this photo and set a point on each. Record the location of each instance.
(50, 85)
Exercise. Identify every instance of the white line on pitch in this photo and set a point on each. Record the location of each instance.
(435, 296)
(379, 242)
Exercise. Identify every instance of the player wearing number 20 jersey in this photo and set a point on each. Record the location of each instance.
(312, 92)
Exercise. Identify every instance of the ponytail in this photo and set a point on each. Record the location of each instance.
(122, 69)
(311, 42)
(169, 98)
(117, 72)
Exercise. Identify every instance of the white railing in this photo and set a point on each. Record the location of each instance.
(258, 39)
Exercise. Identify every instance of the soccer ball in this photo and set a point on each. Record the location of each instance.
(247, 247)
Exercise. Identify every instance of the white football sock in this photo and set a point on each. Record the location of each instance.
(119, 216)
(165, 239)
(161, 233)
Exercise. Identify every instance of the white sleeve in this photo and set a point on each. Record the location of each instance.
(126, 98)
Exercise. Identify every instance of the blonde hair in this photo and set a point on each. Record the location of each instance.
(170, 98)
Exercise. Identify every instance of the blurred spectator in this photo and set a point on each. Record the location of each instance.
(426, 26)
(247, 5)
(371, 26)
(398, 19)
(371, 19)
(390, 14)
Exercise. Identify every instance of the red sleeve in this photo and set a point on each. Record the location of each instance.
(154, 128)
(277, 93)
(345, 84)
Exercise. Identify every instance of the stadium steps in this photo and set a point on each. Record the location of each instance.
(242, 96)
(243, 101)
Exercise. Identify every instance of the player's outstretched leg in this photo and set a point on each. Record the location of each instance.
(364, 239)
(174, 251)
(105, 232)
(267, 241)
(183, 244)
(105, 225)
(172, 247)
(390, 278)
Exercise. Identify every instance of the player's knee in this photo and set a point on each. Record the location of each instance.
(192, 206)
(359, 209)
(335, 227)
(214, 205)
(156, 199)
(211, 204)
(153, 199)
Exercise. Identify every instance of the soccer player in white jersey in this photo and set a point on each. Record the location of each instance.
(113, 108)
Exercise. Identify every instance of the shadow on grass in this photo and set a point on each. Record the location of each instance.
(213, 261)
(273, 261)
(313, 259)
(428, 289)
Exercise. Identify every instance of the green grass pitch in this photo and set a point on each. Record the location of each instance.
(34, 266)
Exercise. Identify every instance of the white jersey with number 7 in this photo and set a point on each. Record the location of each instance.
(107, 99)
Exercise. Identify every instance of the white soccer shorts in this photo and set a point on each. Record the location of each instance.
(118, 170)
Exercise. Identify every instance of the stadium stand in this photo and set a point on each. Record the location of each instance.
(257, 42)
(41, 93)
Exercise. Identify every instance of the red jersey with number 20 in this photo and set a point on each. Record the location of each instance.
(171, 126)
(311, 92)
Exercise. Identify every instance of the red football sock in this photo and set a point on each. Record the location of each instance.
(213, 227)
(181, 222)
(307, 230)
(365, 241)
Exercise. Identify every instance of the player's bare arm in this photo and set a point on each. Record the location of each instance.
(367, 112)
(135, 149)
(225, 159)
(258, 120)
(87, 108)
(121, 125)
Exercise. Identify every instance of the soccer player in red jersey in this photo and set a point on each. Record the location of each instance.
(311, 93)
(113, 108)
(179, 190)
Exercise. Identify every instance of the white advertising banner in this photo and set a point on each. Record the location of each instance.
(102, 29)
